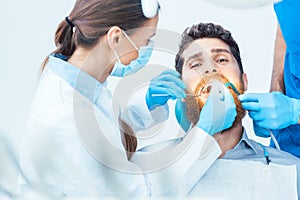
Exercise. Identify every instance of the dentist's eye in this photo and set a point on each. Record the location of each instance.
(150, 40)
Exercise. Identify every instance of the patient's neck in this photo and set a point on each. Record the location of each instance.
(229, 139)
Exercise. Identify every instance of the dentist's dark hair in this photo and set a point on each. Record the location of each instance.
(91, 20)
(207, 30)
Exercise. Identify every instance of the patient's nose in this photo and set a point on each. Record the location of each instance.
(209, 69)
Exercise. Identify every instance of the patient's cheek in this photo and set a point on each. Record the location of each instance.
(191, 83)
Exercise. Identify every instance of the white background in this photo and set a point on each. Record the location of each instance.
(27, 37)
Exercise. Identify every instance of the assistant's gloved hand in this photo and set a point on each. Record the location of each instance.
(166, 86)
(121, 70)
(217, 113)
(271, 110)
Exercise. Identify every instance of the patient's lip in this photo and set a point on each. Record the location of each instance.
(205, 91)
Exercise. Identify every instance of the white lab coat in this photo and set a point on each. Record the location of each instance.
(53, 157)
(73, 148)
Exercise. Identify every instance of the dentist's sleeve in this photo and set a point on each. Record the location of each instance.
(175, 166)
(138, 116)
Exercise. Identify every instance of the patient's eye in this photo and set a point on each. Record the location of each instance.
(222, 59)
(196, 65)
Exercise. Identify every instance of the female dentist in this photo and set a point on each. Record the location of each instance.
(58, 155)
(73, 146)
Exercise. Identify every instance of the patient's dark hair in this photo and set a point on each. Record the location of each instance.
(206, 30)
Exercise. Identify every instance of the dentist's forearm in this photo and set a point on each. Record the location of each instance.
(277, 83)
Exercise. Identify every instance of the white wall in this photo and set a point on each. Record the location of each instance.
(27, 35)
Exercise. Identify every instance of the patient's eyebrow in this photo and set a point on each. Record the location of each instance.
(220, 50)
(197, 55)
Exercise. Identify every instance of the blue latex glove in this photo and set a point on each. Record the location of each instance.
(181, 117)
(271, 110)
(121, 70)
(259, 131)
(166, 86)
(217, 113)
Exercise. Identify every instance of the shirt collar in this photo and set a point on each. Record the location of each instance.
(245, 142)
(75, 77)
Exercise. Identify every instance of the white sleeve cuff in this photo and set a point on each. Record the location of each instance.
(178, 167)
(138, 116)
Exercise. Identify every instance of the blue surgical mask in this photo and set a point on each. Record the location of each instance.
(121, 70)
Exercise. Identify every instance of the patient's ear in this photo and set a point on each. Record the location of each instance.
(245, 81)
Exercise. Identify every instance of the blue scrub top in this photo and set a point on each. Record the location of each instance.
(288, 15)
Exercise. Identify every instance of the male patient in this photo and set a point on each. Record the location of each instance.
(207, 53)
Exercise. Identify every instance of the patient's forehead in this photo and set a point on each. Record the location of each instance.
(203, 47)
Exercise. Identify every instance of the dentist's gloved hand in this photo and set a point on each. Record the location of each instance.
(121, 70)
(180, 114)
(271, 110)
(217, 114)
(166, 86)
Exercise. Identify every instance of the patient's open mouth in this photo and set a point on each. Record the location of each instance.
(205, 91)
